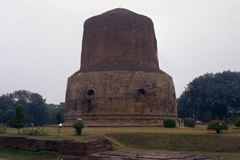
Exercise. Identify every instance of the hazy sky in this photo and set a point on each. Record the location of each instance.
(41, 40)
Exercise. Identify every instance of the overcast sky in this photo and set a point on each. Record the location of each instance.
(41, 40)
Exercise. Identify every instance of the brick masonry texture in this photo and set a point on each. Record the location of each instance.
(119, 40)
(66, 147)
(119, 82)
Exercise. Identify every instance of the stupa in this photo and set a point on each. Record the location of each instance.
(119, 82)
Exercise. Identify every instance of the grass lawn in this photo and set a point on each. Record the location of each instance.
(154, 139)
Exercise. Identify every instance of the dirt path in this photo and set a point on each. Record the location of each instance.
(115, 142)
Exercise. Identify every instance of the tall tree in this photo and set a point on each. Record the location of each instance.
(61, 108)
(53, 109)
(19, 119)
(7, 102)
(6, 116)
(211, 96)
(59, 117)
(35, 107)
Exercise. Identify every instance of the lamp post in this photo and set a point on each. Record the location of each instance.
(59, 132)
(221, 128)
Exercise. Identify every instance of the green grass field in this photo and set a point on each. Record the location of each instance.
(157, 139)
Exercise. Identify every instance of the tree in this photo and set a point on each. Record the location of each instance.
(237, 122)
(19, 119)
(53, 109)
(59, 117)
(78, 126)
(217, 125)
(61, 108)
(211, 96)
(35, 107)
(6, 116)
(7, 102)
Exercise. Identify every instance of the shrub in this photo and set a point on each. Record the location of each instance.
(217, 125)
(78, 126)
(188, 122)
(169, 123)
(35, 131)
(3, 129)
(237, 122)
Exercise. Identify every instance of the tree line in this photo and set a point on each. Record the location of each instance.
(37, 111)
(211, 96)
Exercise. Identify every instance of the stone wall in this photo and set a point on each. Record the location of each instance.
(67, 147)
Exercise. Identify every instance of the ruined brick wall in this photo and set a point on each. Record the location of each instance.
(67, 147)
(119, 82)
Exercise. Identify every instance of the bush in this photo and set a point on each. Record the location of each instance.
(169, 123)
(188, 122)
(237, 122)
(217, 125)
(35, 131)
(78, 126)
(2, 129)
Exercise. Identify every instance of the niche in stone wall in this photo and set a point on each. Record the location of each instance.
(141, 92)
(90, 95)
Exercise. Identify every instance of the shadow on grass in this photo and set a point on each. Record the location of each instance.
(217, 133)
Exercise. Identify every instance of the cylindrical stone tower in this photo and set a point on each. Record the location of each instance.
(119, 81)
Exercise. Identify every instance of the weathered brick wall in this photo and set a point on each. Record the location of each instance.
(119, 40)
(67, 147)
(119, 82)
(116, 99)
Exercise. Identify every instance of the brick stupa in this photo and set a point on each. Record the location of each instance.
(119, 82)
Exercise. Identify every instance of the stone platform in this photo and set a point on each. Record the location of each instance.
(115, 155)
